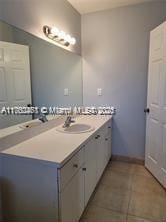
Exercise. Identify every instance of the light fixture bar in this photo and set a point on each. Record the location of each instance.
(59, 36)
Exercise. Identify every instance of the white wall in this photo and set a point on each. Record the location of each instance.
(32, 15)
(6, 33)
(115, 51)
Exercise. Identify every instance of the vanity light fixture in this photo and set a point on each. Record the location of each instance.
(59, 36)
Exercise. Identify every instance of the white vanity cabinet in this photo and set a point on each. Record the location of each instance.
(95, 155)
(35, 190)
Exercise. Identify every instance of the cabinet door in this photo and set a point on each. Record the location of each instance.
(108, 141)
(66, 206)
(103, 148)
(90, 169)
(72, 199)
(78, 195)
(100, 149)
(109, 148)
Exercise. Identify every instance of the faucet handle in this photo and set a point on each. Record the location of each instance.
(43, 118)
(71, 119)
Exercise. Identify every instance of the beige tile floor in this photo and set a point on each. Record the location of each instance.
(127, 193)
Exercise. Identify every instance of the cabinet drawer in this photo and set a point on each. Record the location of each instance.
(70, 168)
(107, 130)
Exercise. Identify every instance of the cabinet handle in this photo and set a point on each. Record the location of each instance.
(106, 139)
(146, 110)
(75, 165)
(109, 127)
(84, 169)
(97, 136)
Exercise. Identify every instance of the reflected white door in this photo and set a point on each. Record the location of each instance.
(155, 159)
(15, 87)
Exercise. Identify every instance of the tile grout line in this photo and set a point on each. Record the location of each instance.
(130, 195)
(105, 208)
(149, 220)
(126, 217)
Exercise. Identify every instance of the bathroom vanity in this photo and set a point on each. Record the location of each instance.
(51, 177)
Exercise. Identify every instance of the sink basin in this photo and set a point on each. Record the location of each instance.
(30, 125)
(76, 128)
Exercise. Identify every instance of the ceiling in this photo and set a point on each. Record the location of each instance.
(87, 6)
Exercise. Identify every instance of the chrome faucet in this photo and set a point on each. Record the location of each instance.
(68, 121)
(43, 118)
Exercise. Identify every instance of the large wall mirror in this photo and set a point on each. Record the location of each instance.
(34, 71)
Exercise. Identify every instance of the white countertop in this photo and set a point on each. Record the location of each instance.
(54, 146)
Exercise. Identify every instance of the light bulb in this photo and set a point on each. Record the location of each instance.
(62, 35)
(68, 38)
(73, 41)
(55, 31)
